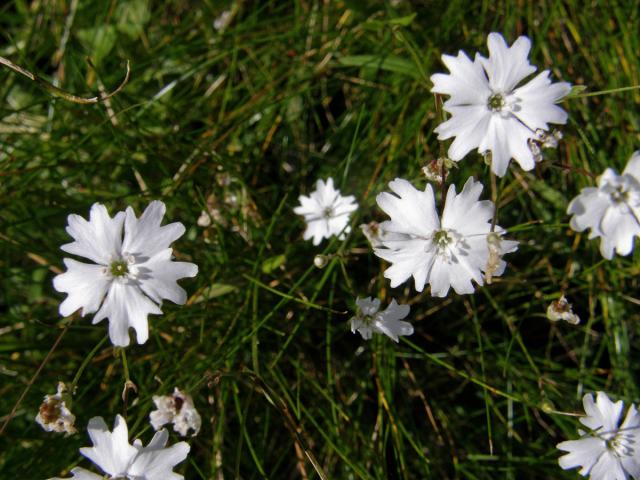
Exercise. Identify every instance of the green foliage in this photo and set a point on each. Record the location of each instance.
(237, 121)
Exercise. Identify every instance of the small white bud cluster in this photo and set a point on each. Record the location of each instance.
(542, 140)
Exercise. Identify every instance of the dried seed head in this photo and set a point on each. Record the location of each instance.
(561, 309)
(54, 415)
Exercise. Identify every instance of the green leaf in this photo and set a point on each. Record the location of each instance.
(403, 21)
(213, 291)
(99, 41)
(132, 16)
(389, 63)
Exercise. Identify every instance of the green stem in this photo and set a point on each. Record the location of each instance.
(84, 364)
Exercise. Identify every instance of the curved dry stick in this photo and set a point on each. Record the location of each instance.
(58, 92)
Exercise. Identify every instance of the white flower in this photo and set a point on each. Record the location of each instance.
(369, 320)
(444, 254)
(489, 111)
(325, 211)
(118, 459)
(178, 409)
(561, 309)
(607, 451)
(130, 276)
(54, 414)
(611, 210)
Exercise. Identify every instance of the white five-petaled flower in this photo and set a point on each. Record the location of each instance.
(131, 275)
(443, 253)
(325, 211)
(490, 109)
(607, 451)
(178, 409)
(369, 320)
(611, 210)
(118, 459)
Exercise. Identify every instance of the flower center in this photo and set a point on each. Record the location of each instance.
(620, 194)
(620, 445)
(496, 102)
(119, 268)
(327, 212)
(442, 239)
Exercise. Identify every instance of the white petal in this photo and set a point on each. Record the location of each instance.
(507, 66)
(582, 453)
(609, 411)
(537, 102)
(159, 275)
(587, 209)
(411, 211)
(111, 451)
(126, 306)
(633, 166)
(99, 239)
(368, 306)
(507, 138)
(144, 237)
(409, 260)
(155, 462)
(394, 329)
(395, 311)
(619, 227)
(467, 84)
(439, 279)
(608, 467)
(80, 473)
(464, 213)
(85, 285)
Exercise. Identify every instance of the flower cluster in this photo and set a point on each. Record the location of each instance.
(495, 107)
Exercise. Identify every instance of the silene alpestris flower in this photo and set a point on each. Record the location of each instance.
(608, 450)
(132, 271)
(611, 210)
(493, 109)
(325, 211)
(118, 459)
(369, 319)
(447, 253)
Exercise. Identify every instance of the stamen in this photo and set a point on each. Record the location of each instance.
(119, 268)
(496, 102)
